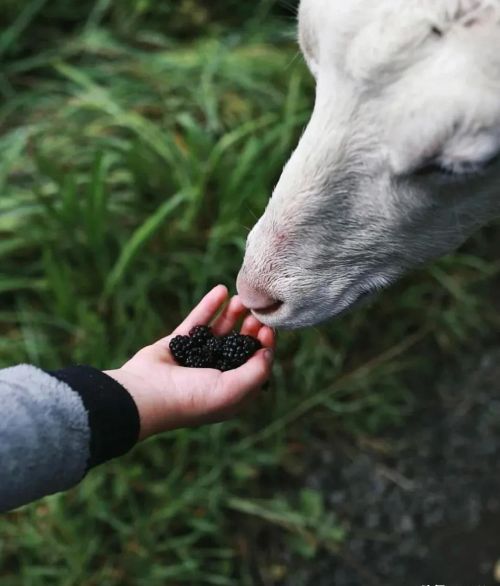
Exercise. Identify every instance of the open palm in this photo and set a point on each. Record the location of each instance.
(170, 396)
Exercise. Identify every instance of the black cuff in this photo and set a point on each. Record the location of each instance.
(113, 416)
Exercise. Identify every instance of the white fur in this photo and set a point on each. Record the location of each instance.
(399, 83)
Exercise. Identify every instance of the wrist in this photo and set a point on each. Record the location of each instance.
(138, 390)
(112, 415)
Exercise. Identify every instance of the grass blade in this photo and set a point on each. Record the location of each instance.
(138, 239)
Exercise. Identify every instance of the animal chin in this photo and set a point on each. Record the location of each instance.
(363, 297)
(360, 297)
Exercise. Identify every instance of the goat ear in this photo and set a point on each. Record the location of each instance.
(385, 44)
(472, 13)
(309, 47)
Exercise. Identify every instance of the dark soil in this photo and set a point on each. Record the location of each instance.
(422, 505)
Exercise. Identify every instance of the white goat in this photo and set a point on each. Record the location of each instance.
(399, 163)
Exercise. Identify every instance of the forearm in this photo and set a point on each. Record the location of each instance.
(55, 426)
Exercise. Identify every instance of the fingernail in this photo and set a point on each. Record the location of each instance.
(268, 355)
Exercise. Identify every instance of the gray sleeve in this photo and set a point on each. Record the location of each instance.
(44, 436)
(54, 426)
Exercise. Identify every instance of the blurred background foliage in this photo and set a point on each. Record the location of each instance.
(139, 142)
(42, 21)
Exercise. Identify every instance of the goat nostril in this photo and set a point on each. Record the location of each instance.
(255, 298)
(270, 308)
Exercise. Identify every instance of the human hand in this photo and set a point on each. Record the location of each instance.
(169, 396)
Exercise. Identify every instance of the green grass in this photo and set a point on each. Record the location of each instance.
(133, 161)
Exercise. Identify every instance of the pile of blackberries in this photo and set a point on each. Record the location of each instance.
(202, 349)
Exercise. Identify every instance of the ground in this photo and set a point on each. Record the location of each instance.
(422, 504)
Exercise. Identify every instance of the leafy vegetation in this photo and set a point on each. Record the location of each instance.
(140, 141)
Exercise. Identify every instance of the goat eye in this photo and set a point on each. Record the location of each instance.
(429, 170)
(433, 171)
(436, 173)
(436, 31)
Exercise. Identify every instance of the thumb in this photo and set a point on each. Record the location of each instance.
(251, 375)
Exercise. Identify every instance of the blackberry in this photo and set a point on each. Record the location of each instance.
(213, 349)
(198, 359)
(181, 347)
(214, 345)
(237, 349)
(223, 365)
(201, 349)
(200, 334)
(251, 344)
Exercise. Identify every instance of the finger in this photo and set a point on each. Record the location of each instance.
(251, 326)
(266, 337)
(228, 318)
(204, 311)
(252, 375)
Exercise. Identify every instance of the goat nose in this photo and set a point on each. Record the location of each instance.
(254, 297)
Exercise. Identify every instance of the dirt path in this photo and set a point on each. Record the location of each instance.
(423, 504)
